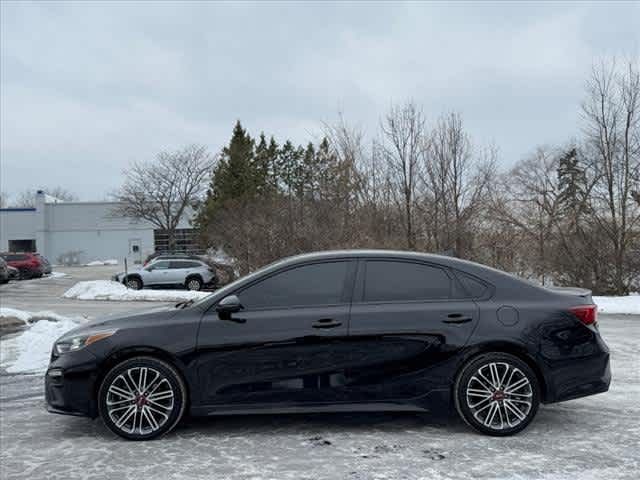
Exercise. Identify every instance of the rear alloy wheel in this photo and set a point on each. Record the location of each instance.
(194, 283)
(134, 283)
(497, 394)
(142, 398)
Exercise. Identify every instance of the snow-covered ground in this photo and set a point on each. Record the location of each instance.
(55, 275)
(28, 351)
(109, 290)
(30, 317)
(97, 263)
(629, 305)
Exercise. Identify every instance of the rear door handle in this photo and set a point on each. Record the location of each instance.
(326, 323)
(457, 318)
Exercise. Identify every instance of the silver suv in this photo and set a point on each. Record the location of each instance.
(193, 274)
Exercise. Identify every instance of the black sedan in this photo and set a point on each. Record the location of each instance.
(339, 331)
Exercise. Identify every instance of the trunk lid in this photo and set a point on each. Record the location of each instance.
(573, 292)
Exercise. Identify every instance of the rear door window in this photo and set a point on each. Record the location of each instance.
(161, 265)
(180, 264)
(395, 281)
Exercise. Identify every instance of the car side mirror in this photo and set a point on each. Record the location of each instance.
(228, 305)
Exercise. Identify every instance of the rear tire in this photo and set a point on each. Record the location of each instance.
(134, 283)
(142, 398)
(497, 394)
(194, 283)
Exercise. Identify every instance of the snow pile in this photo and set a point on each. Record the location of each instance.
(629, 305)
(108, 290)
(14, 317)
(56, 275)
(97, 263)
(29, 351)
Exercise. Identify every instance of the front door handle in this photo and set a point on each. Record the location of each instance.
(326, 323)
(457, 318)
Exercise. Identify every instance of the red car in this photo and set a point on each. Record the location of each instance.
(29, 264)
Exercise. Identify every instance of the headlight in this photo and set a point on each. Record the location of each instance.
(80, 341)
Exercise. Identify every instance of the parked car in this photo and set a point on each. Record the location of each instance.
(192, 274)
(14, 273)
(4, 271)
(343, 331)
(46, 265)
(224, 272)
(29, 264)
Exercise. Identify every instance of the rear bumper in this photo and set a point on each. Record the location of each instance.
(582, 375)
(30, 272)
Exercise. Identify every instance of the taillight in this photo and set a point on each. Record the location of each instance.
(587, 314)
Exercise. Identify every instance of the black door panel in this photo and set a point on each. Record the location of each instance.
(401, 301)
(273, 353)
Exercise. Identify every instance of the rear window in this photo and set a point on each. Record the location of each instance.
(473, 287)
(389, 281)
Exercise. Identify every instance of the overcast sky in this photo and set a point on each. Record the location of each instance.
(87, 88)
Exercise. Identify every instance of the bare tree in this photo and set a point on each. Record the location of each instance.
(161, 191)
(402, 146)
(526, 199)
(456, 180)
(611, 115)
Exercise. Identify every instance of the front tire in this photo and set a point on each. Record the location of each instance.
(134, 283)
(497, 394)
(142, 398)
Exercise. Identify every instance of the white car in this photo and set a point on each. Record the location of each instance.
(192, 274)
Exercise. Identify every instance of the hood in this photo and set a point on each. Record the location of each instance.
(118, 320)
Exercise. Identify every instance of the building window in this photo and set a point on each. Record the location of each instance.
(184, 241)
(22, 245)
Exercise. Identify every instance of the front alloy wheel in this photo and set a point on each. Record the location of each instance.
(497, 394)
(133, 283)
(142, 398)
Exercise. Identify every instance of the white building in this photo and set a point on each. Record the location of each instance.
(85, 230)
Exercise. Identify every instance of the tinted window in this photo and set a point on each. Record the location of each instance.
(161, 265)
(317, 284)
(184, 264)
(14, 257)
(473, 288)
(403, 281)
(191, 264)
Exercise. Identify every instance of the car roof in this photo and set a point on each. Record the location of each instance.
(180, 259)
(378, 253)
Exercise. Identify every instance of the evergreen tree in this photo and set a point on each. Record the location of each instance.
(262, 164)
(287, 165)
(572, 183)
(234, 177)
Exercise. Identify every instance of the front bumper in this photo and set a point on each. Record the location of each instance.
(70, 384)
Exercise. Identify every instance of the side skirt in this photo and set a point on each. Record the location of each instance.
(284, 409)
